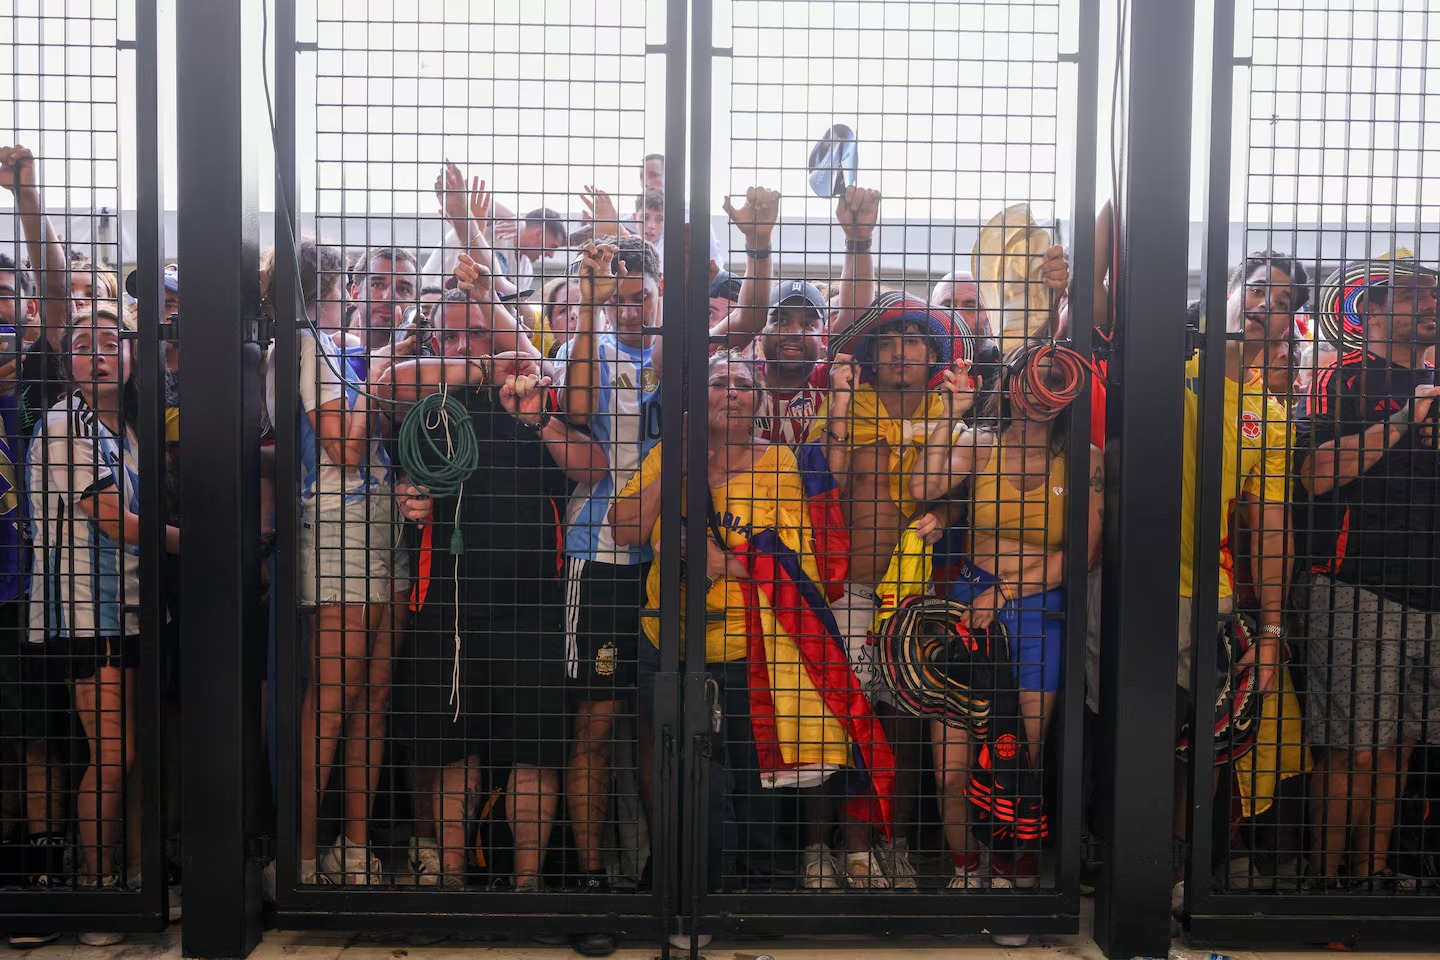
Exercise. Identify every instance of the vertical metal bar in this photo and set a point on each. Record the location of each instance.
(287, 694)
(1143, 455)
(698, 824)
(1209, 452)
(218, 233)
(149, 259)
(1077, 521)
(666, 839)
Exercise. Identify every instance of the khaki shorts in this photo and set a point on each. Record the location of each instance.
(353, 555)
(853, 613)
(1187, 613)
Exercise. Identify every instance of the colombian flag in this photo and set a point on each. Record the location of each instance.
(829, 534)
(806, 707)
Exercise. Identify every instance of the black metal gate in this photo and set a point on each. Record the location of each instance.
(400, 68)
(1298, 831)
(363, 573)
(83, 94)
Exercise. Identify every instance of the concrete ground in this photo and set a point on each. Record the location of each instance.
(281, 945)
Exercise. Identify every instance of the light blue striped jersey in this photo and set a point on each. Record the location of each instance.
(626, 425)
(83, 581)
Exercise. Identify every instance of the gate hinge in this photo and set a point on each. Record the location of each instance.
(259, 848)
(170, 329)
(260, 329)
(1193, 341)
(1091, 849)
(1179, 852)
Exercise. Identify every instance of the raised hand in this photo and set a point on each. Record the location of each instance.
(17, 168)
(844, 375)
(756, 218)
(450, 192)
(600, 211)
(857, 212)
(473, 278)
(1054, 271)
(598, 281)
(481, 202)
(523, 397)
(957, 391)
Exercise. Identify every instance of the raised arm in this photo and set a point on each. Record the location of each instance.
(597, 287)
(582, 459)
(1336, 463)
(599, 211)
(949, 459)
(42, 244)
(844, 374)
(857, 213)
(756, 223)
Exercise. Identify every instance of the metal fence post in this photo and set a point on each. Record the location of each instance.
(1140, 602)
(218, 234)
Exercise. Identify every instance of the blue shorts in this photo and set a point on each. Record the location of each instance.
(1036, 625)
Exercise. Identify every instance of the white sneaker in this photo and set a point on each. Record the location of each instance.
(822, 870)
(1010, 939)
(898, 868)
(101, 939)
(681, 941)
(349, 864)
(267, 882)
(309, 875)
(966, 880)
(424, 862)
(1177, 898)
(863, 871)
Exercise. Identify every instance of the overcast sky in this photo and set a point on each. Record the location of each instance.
(960, 107)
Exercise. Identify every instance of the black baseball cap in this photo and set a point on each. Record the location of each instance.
(799, 291)
(726, 285)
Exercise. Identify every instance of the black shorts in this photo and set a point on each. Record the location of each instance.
(87, 655)
(510, 692)
(602, 628)
(34, 689)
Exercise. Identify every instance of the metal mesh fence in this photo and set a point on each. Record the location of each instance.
(74, 795)
(898, 467)
(487, 668)
(1325, 463)
(468, 623)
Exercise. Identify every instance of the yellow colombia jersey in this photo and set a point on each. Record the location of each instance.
(1255, 457)
(907, 576)
(768, 495)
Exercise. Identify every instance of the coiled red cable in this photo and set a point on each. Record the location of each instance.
(1044, 379)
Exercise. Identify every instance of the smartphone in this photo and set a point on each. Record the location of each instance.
(8, 342)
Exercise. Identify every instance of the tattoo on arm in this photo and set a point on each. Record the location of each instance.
(1097, 480)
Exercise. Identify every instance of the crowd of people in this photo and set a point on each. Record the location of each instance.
(888, 568)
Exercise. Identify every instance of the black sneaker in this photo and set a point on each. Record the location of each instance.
(594, 881)
(593, 944)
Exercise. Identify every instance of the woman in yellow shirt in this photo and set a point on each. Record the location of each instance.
(1014, 466)
(754, 486)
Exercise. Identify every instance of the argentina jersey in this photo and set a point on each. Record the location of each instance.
(83, 581)
(626, 425)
